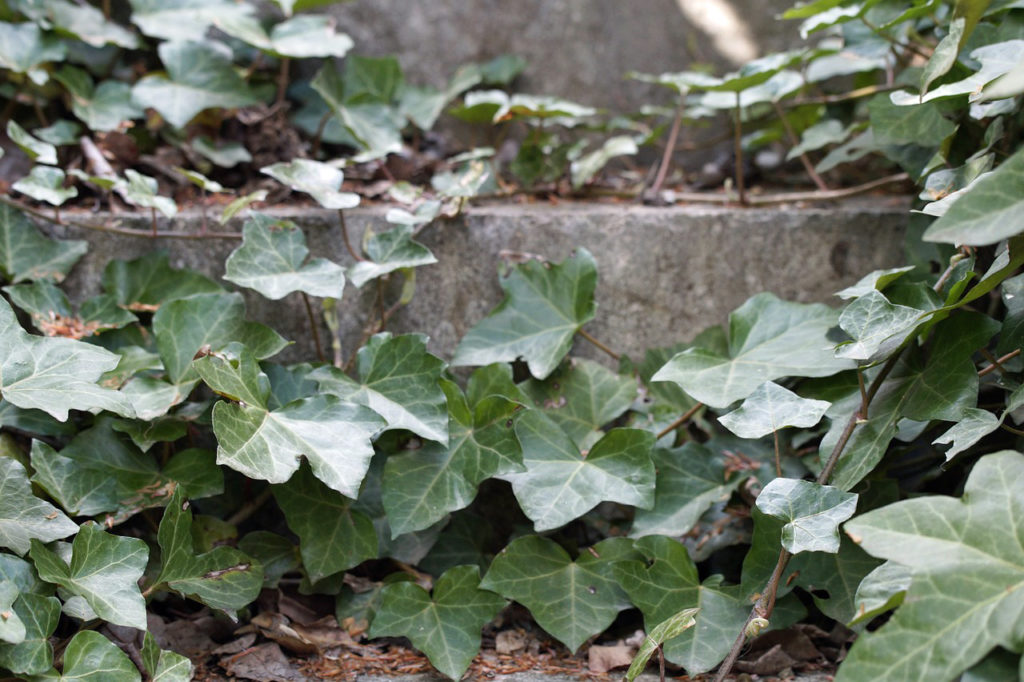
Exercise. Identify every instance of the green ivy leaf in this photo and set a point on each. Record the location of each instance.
(423, 485)
(45, 183)
(24, 47)
(276, 553)
(586, 167)
(877, 280)
(446, 624)
(881, 590)
(12, 629)
(812, 513)
(668, 581)
(84, 22)
(689, 480)
(974, 425)
(143, 191)
(54, 374)
(544, 307)
(270, 260)
(318, 180)
(967, 563)
(164, 666)
(665, 630)
(334, 436)
(34, 654)
(223, 578)
(199, 76)
(768, 339)
(571, 600)
(561, 483)
(398, 381)
(770, 408)
(390, 251)
(222, 153)
(24, 516)
(832, 579)
(36, 149)
(91, 657)
(995, 59)
(183, 19)
(104, 570)
(922, 124)
(581, 396)
(333, 536)
(149, 281)
(25, 254)
(51, 311)
(310, 35)
(944, 56)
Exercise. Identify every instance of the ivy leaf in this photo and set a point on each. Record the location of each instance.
(832, 579)
(104, 570)
(665, 630)
(53, 315)
(877, 280)
(222, 153)
(148, 281)
(24, 516)
(23, 47)
(995, 59)
(223, 578)
(967, 563)
(36, 149)
(12, 629)
(143, 191)
(689, 480)
(768, 339)
(199, 76)
(398, 381)
(561, 483)
(581, 396)
(183, 19)
(544, 307)
(333, 536)
(318, 180)
(586, 167)
(45, 183)
(390, 251)
(34, 654)
(270, 260)
(54, 374)
(770, 408)
(422, 486)
(922, 125)
(164, 666)
(881, 590)
(974, 425)
(666, 582)
(446, 624)
(311, 35)
(571, 600)
(812, 513)
(80, 21)
(332, 435)
(185, 325)
(25, 254)
(945, 54)
(91, 656)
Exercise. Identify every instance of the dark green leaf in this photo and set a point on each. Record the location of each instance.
(24, 516)
(390, 251)
(34, 654)
(25, 254)
(91, 657)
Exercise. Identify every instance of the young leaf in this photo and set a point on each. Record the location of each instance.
(770, 408)
(398, 381)
(446, 624)
(812, 513)
(944, 56)
(877, 327)
(223, 578)
(25, 254)
(24, 516)
(36, 149)
(768, 339)
(544, 307)
(311, 35)
(967, 563)
(270, 260)
(34, 654)
(561, 483)
(586, 167)
(318, 180)
(571, 600)
(390, 251)
(164, 666)
(665, 630)
(45, 183)
(91, 657)
(104, 571)
(333, 537)
(143, 191)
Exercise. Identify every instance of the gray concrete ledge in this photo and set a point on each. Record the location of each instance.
(664, 273)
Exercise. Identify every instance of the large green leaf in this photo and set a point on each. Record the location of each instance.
(571, 600)
(332, 435)
(446, 624)
(319, 180)
(149, 281)
(310, 35)
(333, 536)
(770, 408)
(581, 396)
(994, 60)
(104, 570)
(544, 306)
(102, 108)
(362, 100)
(53, 314)
(812, 513)
(84, 22)
(54, 374)
(183, 19)
(24, 516)
(667, 582)
(689, 480)
(423, 485)
(966, 596)
(398, 381)
(25, 254)
(199, 76)
(390, 251)
(561, 483)
(34, 654)
(24, 47)
(768, 339)
(223, 578)
(271, 261)
(91, 657)
(185, 325)
(45, 183)
(923, 124)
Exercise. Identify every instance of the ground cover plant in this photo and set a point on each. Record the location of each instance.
(854, 467)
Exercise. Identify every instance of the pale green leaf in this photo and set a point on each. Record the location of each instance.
(877, 327)
(811, 512)
(45, 183)
(586, 167)
(201, 181)
(34, 148)
(24, 516)
(221, 152)
(61, 132)
(995, 59)
(944, 56)
(571, 600)
(974, 425)
(922, 124)
(319, 180)
(164, 666)
(34, 654)
(272, 258)
(311, 35)
(12, 629)
(23, 47)
(240, 204)
(446, 624)
(104, 570)
(91, 657)
(665, 630)
(819, 135)
(390, 251)
(770, 408)
(881, 590)
(143, 191)
(183, 19)
(84, 22)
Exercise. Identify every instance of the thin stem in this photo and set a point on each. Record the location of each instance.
(863, 393)
(866, 91)
(583, 332)
(778, 457)
(1007, 427)
(318, 137)
(792, 197)
(152, 219)
(670, 146)
(738, 152)
(250, 507)
(313, 328)
(808, 166)
(380, 305)
(679, 422)
(106, 9)
(661, 664)
(344, 237)
(997, 363)
(282, 81)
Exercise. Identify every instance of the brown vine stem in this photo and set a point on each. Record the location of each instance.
(670, 146)
(313, 328)
(344, 236)
(679, 422)
(738, 152)
(866, 91)
(250, 507)
(996, 363)
(794, 140)
(583, 332)
(282, 81)
(787, 197)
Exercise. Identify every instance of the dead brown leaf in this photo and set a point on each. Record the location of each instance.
(601, 659)
(263, 663)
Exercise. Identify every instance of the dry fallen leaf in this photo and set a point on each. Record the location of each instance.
(509, 641)
(601, 659)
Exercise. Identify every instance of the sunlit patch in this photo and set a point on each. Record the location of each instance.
(729, 33)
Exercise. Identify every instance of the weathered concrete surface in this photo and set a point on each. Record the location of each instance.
(615, 675)
(664, 273)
